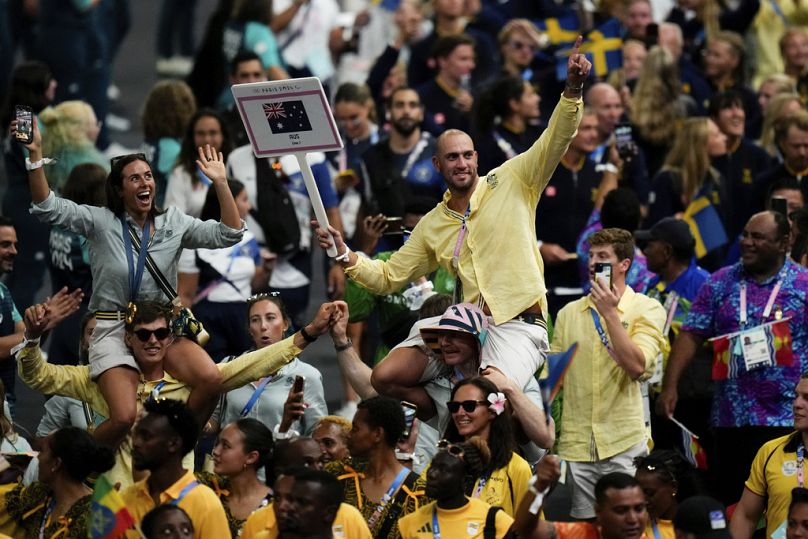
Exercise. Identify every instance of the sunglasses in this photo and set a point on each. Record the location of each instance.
(144, 335)
(452, 449)
(137, 156)
(519, 45)
(469, 406)
(263, 295)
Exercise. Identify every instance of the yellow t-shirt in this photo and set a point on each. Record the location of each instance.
(773, 475)
(200, 502)
(467, 521)
(348, 524)
(664, 527)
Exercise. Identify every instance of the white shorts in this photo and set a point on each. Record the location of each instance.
(516, 348)
(582, 476)
(108, 349)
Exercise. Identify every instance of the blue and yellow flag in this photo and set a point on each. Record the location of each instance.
(705, 225)
(562, 30)
(603, 46)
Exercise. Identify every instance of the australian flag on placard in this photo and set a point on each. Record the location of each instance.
(287, 117)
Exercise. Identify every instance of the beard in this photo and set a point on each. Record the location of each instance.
(405, 126)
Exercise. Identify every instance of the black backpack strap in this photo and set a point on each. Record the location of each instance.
(398, 504)
(490, 530)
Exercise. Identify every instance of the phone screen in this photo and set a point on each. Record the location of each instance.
(603, 272)
(395, 226)
(624, 140)
(409, 417)
(780, 205)
(25, 124)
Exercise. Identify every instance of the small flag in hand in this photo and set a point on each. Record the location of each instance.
(556, 367)
(693, 451)
(287, 117)
(109, 518)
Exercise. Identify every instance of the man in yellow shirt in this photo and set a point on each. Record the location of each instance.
(151, 323)
(263, 524)
(483, 232)
(452, 514)
(160, 438)
(619, 336)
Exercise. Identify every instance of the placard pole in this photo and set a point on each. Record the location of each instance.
(316, 200)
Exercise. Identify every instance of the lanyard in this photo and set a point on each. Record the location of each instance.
(655, 529)
(505, 146)
(458, 292)
(672, 304)
(204, 180)
(254, 397)
(45, 517)
(800, 467)
(602, 334)
(135, 275)
(435, 525)
(481, 485)
(184, 492)
(415, 154)
(402, 475)
(769, 304)
(155, 393)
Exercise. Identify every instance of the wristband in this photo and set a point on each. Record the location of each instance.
(606, 167)
(343, 347)
(33, 165)
(25, 342)
(306, 336)
(344, 256)
(575, 89)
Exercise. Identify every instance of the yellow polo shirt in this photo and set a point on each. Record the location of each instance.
(499, 259)
(75, 381)
(773, 475)
(348, 524)
(603, 410)
(467, 521)
(201, 504)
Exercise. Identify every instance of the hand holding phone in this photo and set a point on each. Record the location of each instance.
(298, 386)
(25, 124)
(603, 273)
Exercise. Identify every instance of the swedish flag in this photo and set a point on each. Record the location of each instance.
(705, 225)
(602, 46)
(561, 30)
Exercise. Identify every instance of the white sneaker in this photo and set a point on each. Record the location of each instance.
(348, 410)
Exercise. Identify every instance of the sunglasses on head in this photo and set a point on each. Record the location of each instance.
(469, 406)
(138, 156)
(452, 449)
(145, 334)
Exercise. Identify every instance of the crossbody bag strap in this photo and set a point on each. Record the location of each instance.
(154, 271)
(395, 510)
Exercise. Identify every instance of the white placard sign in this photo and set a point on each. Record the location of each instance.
(287, 116)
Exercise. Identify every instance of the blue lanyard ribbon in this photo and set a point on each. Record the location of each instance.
(435, 525)
(184, 492)
(135, 275)
(388, 496)
(155, 393)
(801, 465)
(602, 333)
(254, 397)
(481, 484)
(655, 529)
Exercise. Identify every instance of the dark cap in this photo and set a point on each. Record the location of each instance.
(669, 230)
(704, 517)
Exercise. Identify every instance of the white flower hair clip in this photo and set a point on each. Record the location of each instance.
(497, 401)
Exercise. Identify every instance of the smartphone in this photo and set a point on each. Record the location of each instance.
(652, 35)
(395, 226)
(25, 124)
(624, 140)
(780, 205)
(603, 272)
(297, 387)
(409, 417)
